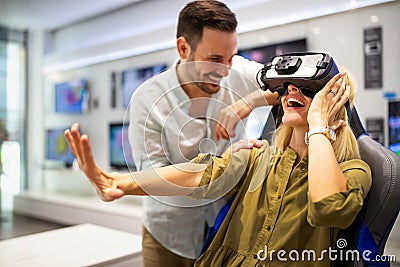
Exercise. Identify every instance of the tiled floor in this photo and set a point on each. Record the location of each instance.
(14, 225)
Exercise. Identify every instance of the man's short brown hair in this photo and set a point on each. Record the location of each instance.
(200, 14)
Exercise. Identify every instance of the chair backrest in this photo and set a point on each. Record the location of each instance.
(381, 207)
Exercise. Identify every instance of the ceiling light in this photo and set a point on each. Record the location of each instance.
(374, 18)
(316, 30)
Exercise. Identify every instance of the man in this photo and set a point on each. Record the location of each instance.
(175, 115)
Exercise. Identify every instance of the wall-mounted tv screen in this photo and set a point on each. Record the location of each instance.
(131, 79)
(57, 148)
(71, 96)
(120, 149)
(264, 53)
(394, 126)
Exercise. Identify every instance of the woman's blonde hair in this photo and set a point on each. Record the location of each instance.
(345, 146)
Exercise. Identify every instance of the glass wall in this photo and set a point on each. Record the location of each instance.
(13, 93)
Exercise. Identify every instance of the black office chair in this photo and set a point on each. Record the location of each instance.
(381, 207)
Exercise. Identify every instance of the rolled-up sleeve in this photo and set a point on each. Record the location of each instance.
(224, 175)
(340, 209)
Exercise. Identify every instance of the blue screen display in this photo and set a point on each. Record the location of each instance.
(131, 79)
(57, 147)
(71, 97)
(394, 126)
(120, 149)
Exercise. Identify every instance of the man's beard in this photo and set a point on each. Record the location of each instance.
(201, 82)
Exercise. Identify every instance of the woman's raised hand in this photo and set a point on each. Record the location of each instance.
(105, 184)
(328, 102)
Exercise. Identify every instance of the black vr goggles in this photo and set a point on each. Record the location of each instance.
(308, 71)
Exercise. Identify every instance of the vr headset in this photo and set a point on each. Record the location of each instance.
(309, 71)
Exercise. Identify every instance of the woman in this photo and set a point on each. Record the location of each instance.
(291, 199)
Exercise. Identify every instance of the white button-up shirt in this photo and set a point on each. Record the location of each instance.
(164, 131)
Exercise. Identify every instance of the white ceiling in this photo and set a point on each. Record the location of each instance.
(54, 14)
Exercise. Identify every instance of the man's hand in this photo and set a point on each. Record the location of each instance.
(105, 184)
(229, 117)
(243, 144)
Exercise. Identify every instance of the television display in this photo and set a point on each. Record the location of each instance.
(57, 148)
(394, 126)
(120, 149)
(71, 97)
(264, 53)
(131, 79)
